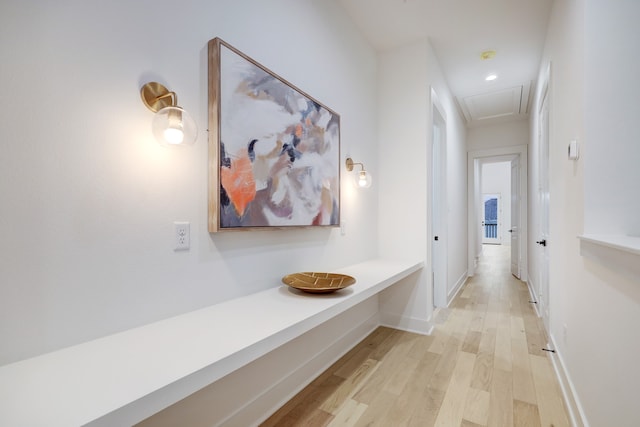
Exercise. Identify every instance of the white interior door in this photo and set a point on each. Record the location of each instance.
(543, 199)
(491, 230)
(514, 229)
(438, 209)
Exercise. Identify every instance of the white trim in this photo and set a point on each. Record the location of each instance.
(532, 295)
(435, 102)
(441, 262)
(577, 416)
(544, 88)
(457, 288)
(408, 324)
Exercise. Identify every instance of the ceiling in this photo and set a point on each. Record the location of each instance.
(459, 31)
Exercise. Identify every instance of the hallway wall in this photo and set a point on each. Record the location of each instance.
(611, 115)
(405, 77)
(88, 196)
(594, 303)
(498, 135)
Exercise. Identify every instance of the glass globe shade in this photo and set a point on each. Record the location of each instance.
(363, 179)
(174, 126)
(174, 134)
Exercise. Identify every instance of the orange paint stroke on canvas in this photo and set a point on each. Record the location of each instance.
(239, 183)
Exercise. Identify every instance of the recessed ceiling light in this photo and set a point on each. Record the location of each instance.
(487, 54)
(491, 77)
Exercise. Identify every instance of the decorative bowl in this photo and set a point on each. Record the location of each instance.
(318, 283)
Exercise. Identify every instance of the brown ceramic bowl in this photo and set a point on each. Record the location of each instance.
(318, 283)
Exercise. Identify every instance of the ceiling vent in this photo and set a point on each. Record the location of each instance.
(498, 106)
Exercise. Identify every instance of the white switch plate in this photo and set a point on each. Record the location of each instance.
(181, 235)
(574, 150)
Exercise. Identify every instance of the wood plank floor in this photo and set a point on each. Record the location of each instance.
(482, 366)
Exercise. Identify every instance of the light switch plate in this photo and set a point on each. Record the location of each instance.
(574, 152)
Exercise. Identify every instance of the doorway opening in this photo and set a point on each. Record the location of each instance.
(491, 219)
(498, 204)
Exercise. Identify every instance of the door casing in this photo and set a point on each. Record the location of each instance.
(543, 217)
(514, 229)
(438, 202)
(475, 159)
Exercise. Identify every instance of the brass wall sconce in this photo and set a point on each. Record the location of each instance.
(363, 178)
(171, 125)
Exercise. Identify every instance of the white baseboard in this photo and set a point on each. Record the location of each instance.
(532, 295)
(456, 289)
(270, 400)
(576, 412)
(249, 395)
(409, 324)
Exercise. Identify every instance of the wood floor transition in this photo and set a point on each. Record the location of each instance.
(483, 366)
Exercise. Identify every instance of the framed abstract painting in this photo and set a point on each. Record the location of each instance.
(274, 151)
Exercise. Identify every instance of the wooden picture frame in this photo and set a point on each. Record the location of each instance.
(274, 151)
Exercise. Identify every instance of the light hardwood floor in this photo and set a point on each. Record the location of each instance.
(483, 366)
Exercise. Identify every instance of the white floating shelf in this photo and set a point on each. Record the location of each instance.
(622, 243)
(124, 378)
(618, 252)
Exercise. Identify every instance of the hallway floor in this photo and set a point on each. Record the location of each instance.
(483, 366)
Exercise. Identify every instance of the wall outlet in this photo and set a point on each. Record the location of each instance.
(182, 238)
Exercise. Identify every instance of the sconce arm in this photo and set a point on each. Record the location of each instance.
(350, 164)
(156, 97)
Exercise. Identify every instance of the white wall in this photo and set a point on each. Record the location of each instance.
(457, 233)
(498, 135)
(89, 198)
(406, 75)
(597, 304)
(611, 170)
(496, 179)
(403, 138)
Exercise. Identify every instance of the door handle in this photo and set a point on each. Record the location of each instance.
(542, 242)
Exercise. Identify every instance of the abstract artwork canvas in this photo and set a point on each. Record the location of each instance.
(274, 151)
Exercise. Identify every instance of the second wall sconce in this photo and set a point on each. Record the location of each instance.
(172, 125)
(363, 178)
